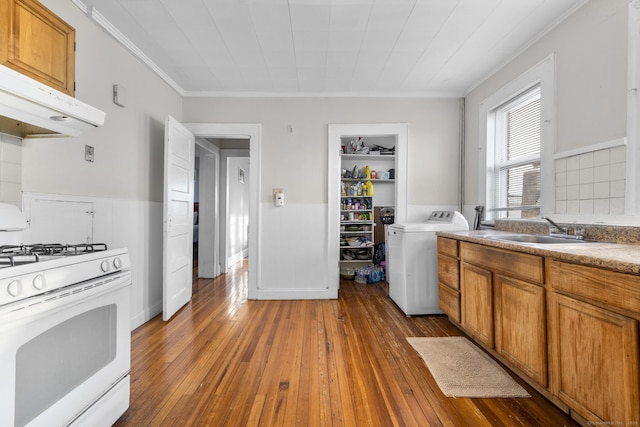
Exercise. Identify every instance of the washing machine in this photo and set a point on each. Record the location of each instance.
(412, 261)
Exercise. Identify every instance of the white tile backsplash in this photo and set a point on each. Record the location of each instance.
(586, 175)
(601, 158)
(617, 188)
(618, 154)
(10, 170)
(601, 173)
(616, 206)
(573, 177)
(591, 183)
(601, 206)
(618, 171)
(585, 160)
(600, 191)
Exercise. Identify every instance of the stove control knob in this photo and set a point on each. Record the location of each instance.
(117, 263)
(39, 282)
(104, 266)
(14, 288)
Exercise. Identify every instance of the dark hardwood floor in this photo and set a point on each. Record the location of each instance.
(226, 361)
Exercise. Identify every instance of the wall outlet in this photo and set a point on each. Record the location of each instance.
(276, 191)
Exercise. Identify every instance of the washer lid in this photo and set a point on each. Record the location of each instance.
(413, 227)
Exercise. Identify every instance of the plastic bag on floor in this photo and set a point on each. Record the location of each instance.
(369, 274)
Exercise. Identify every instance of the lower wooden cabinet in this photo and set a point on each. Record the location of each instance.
(594, 361)
(521, 325)
(476, 301)
(568, 328)
(449, 278)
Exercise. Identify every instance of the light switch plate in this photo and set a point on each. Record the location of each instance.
(88, 153)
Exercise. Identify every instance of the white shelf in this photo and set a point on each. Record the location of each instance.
(376, 180)
(368, 156)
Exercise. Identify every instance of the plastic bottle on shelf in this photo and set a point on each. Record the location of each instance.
(369, 188)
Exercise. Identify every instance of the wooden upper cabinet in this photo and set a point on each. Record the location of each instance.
(37, 43)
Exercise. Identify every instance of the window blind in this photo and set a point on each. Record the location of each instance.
(517, 174)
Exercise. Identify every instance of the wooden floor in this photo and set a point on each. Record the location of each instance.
(226, 361)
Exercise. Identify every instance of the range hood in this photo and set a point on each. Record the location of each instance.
(30, 109)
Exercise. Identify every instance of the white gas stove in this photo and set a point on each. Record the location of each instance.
(65, 331)
(30, 270)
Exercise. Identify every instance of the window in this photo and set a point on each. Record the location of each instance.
(515, 171)
(516, 176)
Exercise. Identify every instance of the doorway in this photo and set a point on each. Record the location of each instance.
(247, 132)
(399, 132)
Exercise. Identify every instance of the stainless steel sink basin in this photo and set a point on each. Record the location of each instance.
(537, 239)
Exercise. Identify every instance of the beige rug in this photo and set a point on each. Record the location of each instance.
(463, 370)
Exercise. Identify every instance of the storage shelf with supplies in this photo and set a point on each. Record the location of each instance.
(367, 178)
(356, 229)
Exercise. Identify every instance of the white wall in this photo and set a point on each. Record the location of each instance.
(293, 239)
(238, 207)
(126, 178)
(591, 82)
(298, 161)
(125, 181)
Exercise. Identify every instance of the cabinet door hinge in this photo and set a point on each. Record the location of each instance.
(74, 46)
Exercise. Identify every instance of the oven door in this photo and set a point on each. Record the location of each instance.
(65, 353)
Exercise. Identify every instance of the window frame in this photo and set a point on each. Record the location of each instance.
(501, 166)
(542, 74)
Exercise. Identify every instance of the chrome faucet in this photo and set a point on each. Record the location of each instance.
(552, 222)
(563, 230)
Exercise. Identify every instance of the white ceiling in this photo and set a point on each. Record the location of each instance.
(328, 47)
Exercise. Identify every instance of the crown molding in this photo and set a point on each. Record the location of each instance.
(94, 15)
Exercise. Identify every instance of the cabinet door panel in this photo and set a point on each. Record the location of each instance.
(594, 361)
(476, 296)
(38, 44)
(521, 326)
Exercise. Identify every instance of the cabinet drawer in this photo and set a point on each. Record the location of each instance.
(613, 289)
(448, 272)
(514, 264)
(448, 246)
(449, 302)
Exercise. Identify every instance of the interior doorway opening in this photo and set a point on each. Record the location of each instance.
(217, 143)
(221, 204)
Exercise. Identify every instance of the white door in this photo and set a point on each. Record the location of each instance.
(179, 157)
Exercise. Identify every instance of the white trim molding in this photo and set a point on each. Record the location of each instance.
(591, 148)
(253, 131)
(632, 196)
(335, 132)
(544, 74)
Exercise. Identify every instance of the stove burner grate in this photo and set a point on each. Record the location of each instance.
(11, 255)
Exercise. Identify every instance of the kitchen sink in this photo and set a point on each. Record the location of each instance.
(537, 239)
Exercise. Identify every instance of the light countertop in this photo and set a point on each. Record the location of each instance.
(624, 258)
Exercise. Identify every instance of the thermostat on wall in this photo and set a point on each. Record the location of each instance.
(88, 153)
